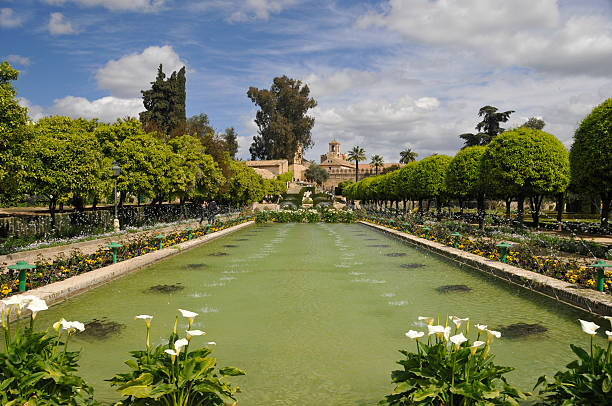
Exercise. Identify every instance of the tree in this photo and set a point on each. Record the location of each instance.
(488, 128)
(390, 168)
(356, 154)
(534, 123)
(165, 103)
(528, 164)
(13, 119)
(591, 157)
(244, 186)
(283, 125)
(377, 162)
(407, 156)
(463, 179)
(64, 161)
(429, 178)
(231, 141)
(315, 173)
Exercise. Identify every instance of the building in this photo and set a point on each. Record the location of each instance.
(340, 168)
(279, 166)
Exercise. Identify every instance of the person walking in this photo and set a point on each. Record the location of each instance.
(204, 209)
(212, 212)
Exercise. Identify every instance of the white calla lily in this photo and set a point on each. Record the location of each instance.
(609, 334)
(589, 327)
(147, 319)
(191, 333)
(415, 335)
(58, 324)
(428, 320)
(458, 321)
(188, 314)
(481, 327)
(458, 340)
(475, 346)
(446, 334)
(211, 343)
(435, 329)
(171, 352)
(491, 334)
(179, 344)
(609, 318)
(37, 305)
(71, 326)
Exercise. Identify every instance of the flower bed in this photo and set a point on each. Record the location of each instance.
(522, 255)
(64, 268)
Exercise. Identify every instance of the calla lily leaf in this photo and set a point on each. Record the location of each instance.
(231, 371)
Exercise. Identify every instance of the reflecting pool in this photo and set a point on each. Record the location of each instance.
(314, 313)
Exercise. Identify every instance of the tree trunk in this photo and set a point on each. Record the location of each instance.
(404, 206)
(356, 171)
(61, 208)
(438, 207)
(481, 211)
(428, 205)
(535, 202)
(52, 206)
(560, 204)
(508, 203)
(520, 209)
(460, 205)
(420, 205)
(606, 198)
(94, 204)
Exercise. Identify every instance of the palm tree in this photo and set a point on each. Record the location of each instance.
(407, 156)
(356, 154)
(377, 162)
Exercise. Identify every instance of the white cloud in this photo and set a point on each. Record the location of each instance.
(523, 33)
(115, 5)
(244, 10)
(35, 113)
(59, 25)
(19, 60)
(322, 85)
(107, 109)
(128, 75)
(8, 19)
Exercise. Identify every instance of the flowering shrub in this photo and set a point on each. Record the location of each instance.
(451, 370)
(172, 375)
(77, 263)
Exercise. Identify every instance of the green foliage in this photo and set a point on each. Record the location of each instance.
(306, 216)
(463, 177)
(407, 156)
(377, 162)
(526, 161)
(356, 154)
(534, 123)
(37, 369)
(244, 185)
(165, 103)
(283, 126)
(446, 371)
(285, 177)
(428, 177)
(591, 156)
(231, 141)
(64, 161)
(13, 118)
(587, 380)
(172, 375)
(488, 128)
(315, 173)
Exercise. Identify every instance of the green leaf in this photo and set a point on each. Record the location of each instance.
(231, 371)
(607, 384)
(403, 387)
(139, 387)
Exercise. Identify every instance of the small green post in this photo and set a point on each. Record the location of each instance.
(160, 237)
(601, 267)
(504, 250)
(207, 229)
(406, 225)
(456, 235)
(392, 223)
(188, 229)
(22, 266)
(113, 246)
(426, 229)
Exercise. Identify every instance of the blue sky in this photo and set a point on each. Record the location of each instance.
(387, 75)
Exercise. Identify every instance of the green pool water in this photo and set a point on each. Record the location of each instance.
(315, 313)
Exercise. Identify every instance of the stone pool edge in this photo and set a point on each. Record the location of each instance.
(592, 301)
(57, 292)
